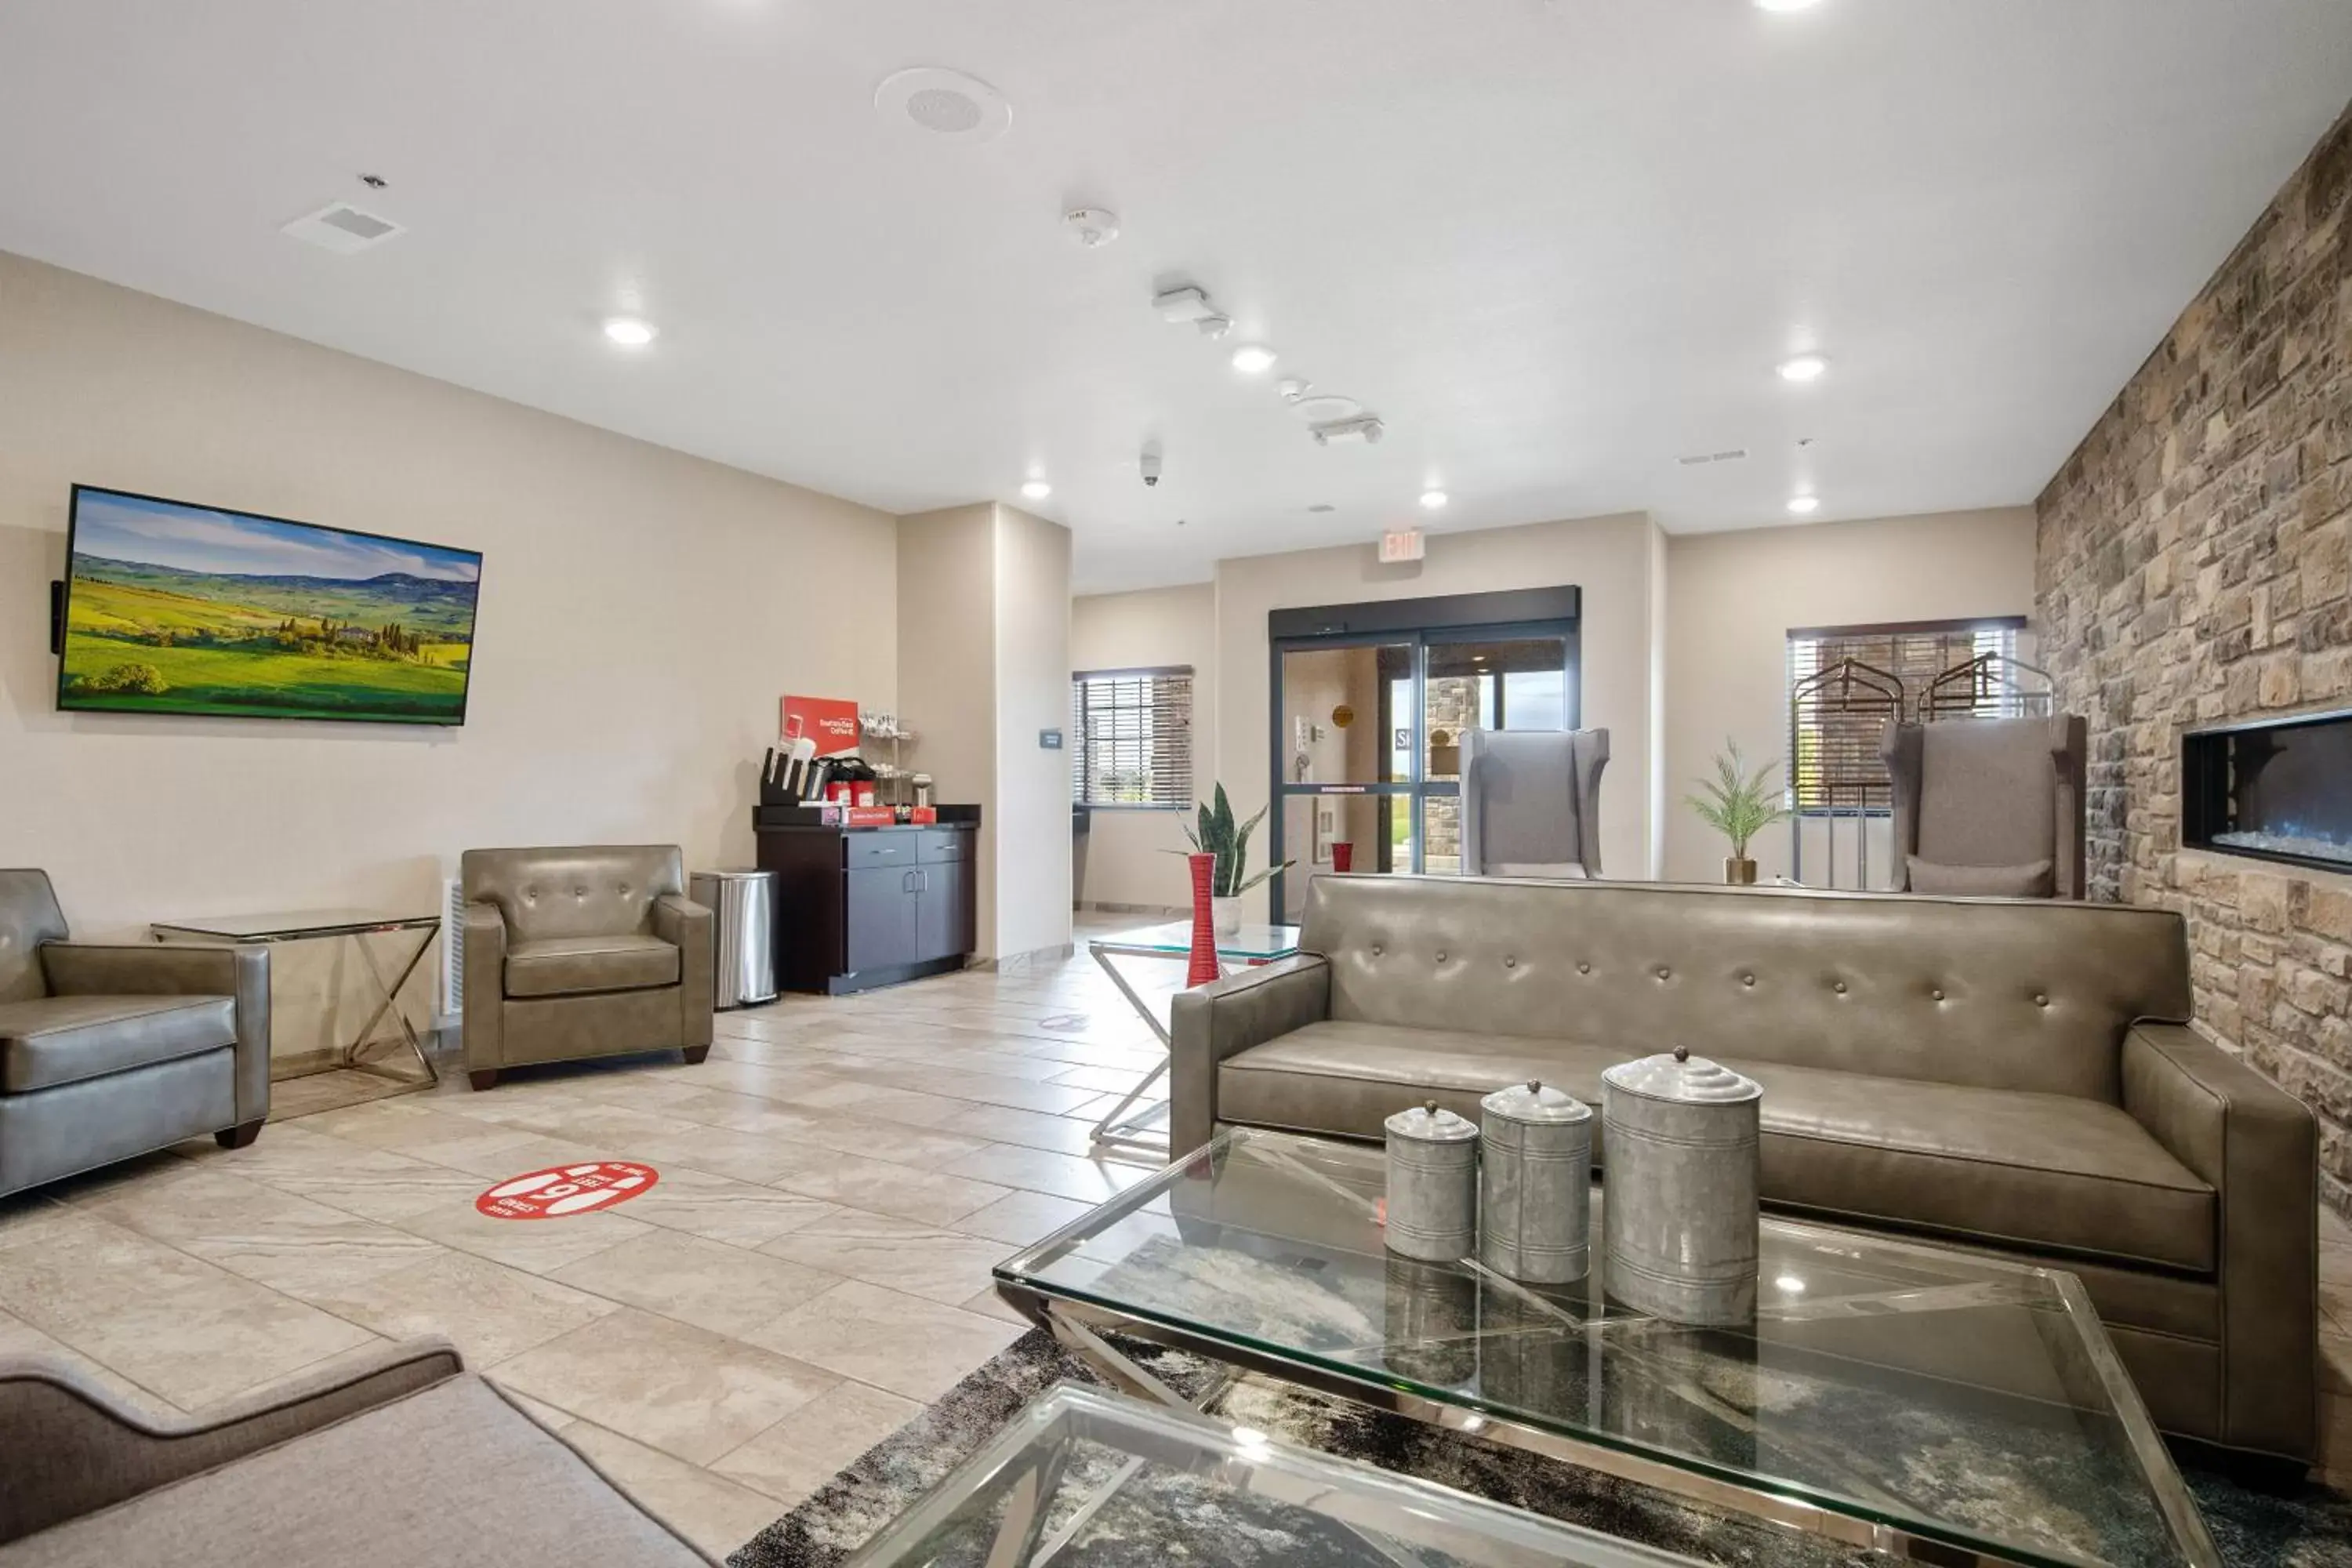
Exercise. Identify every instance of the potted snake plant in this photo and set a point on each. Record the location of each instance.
(1218, 834)
(1735, 804)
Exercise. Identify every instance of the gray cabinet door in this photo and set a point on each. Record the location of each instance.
(944, 928)
(882, 916)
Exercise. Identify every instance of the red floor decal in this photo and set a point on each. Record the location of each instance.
(565, 1190)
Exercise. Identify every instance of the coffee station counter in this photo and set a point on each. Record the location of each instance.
(862, 906)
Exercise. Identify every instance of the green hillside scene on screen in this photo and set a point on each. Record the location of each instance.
(173, 608)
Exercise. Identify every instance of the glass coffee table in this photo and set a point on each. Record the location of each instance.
(1934, 1404)
(1124, 1127)
(1087, 1478)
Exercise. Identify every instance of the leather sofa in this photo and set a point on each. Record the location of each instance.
(111, 1050)
(399, 1456)
(2011, 1075)
(579, 952)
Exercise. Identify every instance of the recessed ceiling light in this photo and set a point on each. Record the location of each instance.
(629, 331)
(1804, 367)
(1804, 506)
(1036, 490)
(1253, 359)
(1434, 500)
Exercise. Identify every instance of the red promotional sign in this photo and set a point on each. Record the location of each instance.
(562, 1190)
(831, 722)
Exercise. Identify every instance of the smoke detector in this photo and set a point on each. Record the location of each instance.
(1091, 226)
(1366, 431)
(343, 228)
(944, 103)
(1292, 388)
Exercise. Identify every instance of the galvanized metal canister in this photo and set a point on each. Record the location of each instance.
(1535, 1184)
(1432, 1212)
(1679, 1199)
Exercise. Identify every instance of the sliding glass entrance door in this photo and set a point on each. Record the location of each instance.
(1367, 738)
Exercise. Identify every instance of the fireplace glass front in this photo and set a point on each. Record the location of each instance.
(2279, 790)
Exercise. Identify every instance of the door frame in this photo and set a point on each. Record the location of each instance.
(1418, 624)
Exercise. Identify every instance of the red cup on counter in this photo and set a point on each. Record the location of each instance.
(1343, 854)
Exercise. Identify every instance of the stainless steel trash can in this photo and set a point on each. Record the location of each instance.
(743, 907)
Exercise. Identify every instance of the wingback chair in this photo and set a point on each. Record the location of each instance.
(1991, 806)
(577, 953)
(107, 1051)
(1531, 802)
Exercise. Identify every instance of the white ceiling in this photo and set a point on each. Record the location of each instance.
(1553, 242)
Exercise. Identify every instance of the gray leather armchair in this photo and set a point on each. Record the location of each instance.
(107, 1051)
(1531, 802)
(582, 952)
(1988, 807)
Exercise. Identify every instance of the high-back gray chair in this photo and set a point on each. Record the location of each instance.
(585, 951)
(1531, 802)
(107, 1051)
(1988, 807)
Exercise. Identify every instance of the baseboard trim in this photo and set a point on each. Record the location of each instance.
(1091, 907)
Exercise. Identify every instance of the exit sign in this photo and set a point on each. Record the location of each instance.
(1399, 544)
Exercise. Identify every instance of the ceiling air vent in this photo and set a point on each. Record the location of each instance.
(343, 228)
(1701, 459)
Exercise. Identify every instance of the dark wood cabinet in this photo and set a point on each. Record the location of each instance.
(859, 908)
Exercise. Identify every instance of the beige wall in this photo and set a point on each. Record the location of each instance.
(641, 612)
(947, 659)
(983, 644)
(1121, 861)
(1731, 601)
(1033, 694)
(1613, 558)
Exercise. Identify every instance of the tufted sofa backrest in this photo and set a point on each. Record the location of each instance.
(597, 890)
(2022, 994)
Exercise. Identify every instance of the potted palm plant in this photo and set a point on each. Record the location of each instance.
(1735, 804)
(1217, 835)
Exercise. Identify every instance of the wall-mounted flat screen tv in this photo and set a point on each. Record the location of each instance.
(176, 608)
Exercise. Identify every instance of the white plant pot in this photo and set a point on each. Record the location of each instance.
(1226, 914)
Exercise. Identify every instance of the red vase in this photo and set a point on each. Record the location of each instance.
(1203, 966)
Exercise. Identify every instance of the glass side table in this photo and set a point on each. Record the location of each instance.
(354, 926)
(1081, 1475)
(1146, 1128)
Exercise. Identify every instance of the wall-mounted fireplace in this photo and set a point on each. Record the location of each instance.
(2280, 789)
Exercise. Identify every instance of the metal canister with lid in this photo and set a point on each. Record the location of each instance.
(1679, 1195)
(1432, 1170)
(1535, 1183)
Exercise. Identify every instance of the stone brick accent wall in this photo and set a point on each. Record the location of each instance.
(2192, 567)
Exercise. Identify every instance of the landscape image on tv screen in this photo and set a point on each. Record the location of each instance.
(173, 608)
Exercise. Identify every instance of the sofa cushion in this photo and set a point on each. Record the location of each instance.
(568, 965)
(2032, 880)
(49, 1040)
(453, 1476)
(2042, 1171)
(2050, 1171)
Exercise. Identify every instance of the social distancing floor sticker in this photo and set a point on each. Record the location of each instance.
(563, 1190)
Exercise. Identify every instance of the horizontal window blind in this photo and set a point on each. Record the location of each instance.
(1835, 725)
(1133, 731)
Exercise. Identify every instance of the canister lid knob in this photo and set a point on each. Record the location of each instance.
(1681, 1053)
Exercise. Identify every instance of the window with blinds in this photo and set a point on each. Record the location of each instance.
(1132, 732)
(1834, 724)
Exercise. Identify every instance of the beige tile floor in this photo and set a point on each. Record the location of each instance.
(812, 1268)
